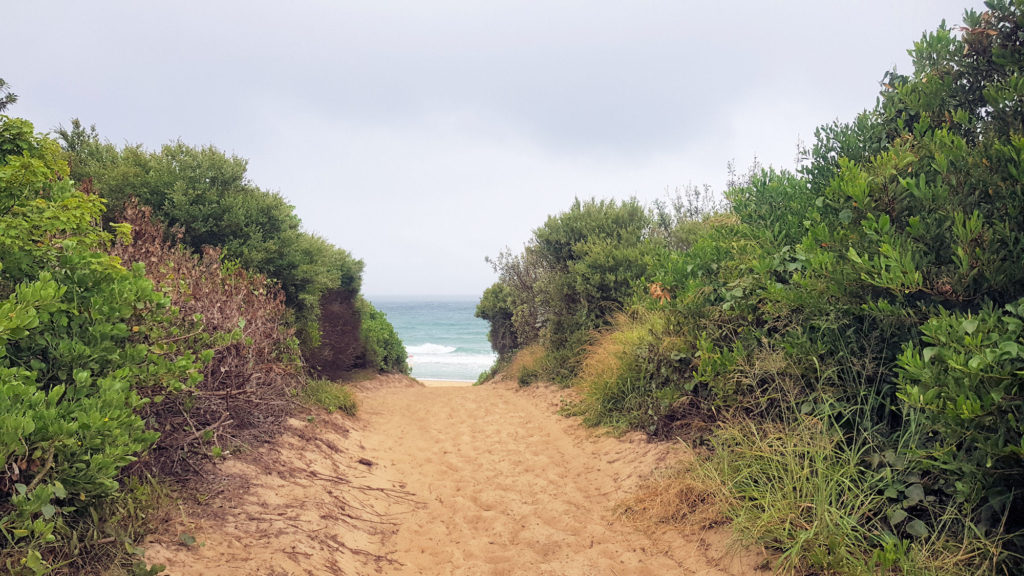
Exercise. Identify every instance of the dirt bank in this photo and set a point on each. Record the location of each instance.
(450, 480)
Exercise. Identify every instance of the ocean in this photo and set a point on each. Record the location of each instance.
(443, 338)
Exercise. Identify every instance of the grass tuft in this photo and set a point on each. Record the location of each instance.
(525, 367)
(680, 496)
(798, 490)
(330, 396)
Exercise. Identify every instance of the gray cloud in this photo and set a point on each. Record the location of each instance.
(423, 136)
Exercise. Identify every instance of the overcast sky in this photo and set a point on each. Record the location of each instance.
(423, 136)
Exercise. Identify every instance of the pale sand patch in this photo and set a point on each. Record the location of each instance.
(443, 383)
(470, 481)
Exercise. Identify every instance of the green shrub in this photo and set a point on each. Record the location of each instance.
(383, 348)
(634, 375)
(580, 267)
(497, 307)
(967, 379)
(80, 336)
(902, 230)
(208, 198)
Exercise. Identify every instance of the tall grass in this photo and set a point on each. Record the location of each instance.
(799, 489)
(812, 493)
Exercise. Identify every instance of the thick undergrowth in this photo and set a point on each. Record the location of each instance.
(844, 340)
(132, 353)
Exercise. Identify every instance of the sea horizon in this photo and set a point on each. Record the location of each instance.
(442, 337)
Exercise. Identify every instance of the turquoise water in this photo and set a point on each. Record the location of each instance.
(443, 339)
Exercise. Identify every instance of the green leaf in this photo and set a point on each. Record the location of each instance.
(970, 325)
(1010, 347)
(928, 352)
(917, 528)
(34, 561)
(48, 511)
(897, 515)
(915, 492)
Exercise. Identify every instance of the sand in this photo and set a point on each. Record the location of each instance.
(467, 480)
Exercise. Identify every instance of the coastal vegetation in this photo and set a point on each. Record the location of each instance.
(155, 311)
(845, 341)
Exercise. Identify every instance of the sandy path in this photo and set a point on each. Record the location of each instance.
(464, 480)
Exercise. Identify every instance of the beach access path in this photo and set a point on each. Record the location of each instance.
(484, 480)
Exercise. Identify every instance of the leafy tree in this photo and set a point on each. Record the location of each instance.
(7, 98)
(207, 196)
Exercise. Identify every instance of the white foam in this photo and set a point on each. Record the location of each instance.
(429, 348)
(453, 359)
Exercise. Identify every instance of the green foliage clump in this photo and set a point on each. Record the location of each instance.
(7, 98)
(80, 337)
(330, 396)
(496, 306)
(874, 293)
(579, 268)
(801, 489)
(383, 348)
(207, 196)
(633, 374)
(965, 378)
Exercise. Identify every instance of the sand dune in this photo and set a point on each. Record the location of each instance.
(483, 480)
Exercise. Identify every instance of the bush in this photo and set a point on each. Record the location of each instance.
(635, 376)
(579, 269)
(207, 197)
(801, 490)
(873, 294)
(241, 318)
(80, 337)
(497, 307)
(383, 348)
(966, 379)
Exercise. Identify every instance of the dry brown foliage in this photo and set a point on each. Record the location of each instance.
(244, 395)
(677, 497)
(528, 358)
(660, 293)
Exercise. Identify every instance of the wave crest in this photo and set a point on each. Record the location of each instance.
(429, 348)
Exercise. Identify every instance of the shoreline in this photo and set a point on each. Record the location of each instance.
(434, 383)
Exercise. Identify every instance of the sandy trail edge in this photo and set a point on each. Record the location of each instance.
(464, 480)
